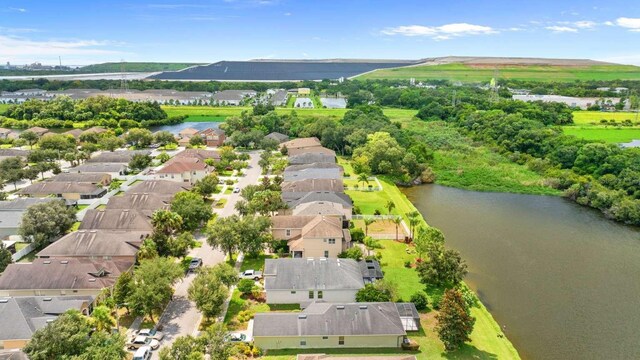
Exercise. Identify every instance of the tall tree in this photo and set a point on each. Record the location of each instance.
(153, 285)
(390, 205)
(367, 222)
(208, 292)
(222, 235)
(192, 208)
(30, 137)
(397, 221)
(44, 222)
(140, 162)
(101, 318)
(226, 273)
(66, 336)
(12, 170)
(166, 222)
(184, 348)
(207, 185)
(441, 267)
(5, 257)
(455, 322)
(104, 346)
(216, 344)
(139, 138)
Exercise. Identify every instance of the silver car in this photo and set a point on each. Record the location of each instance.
(152, 333)
(140, 341)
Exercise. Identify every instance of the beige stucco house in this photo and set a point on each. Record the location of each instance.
(311, 236)
(184, 169)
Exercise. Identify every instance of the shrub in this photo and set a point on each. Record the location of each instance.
(420, 300)
(245, 286)
(354, 253)
(229, 182)
(435, 301)
(407, 264)
(377, 212)
(245, 316)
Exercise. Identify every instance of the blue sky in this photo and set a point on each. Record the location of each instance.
(84, 32)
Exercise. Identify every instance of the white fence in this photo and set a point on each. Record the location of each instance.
(376, 217)
(22, 253)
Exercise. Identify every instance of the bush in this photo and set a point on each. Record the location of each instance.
(229, 182)
(420, 300)
(407, 264)
(435, 301)
(354, 253)
(357, 235)
(244, 316)
(245, 286)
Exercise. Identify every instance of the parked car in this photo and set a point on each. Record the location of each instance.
(152, 333)
(143, 353)
(236, 337)
(236, 190)
(195, 264)
(139, 341)
(251, 274)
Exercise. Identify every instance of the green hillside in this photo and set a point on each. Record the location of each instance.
(470, 73)
(135, 67)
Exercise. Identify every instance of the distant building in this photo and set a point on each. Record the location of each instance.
(276, 136)
(113, 169)
(122, 156)
(212, 137)
(232, 97)
(64, 190)
(304, 91)
(303, 103)
(575, 102)
(279, 98)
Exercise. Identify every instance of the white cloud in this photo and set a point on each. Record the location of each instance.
(18, 49)
(633, 24)
(22, 10)
(562, 29)
(443, 32)
(585, 24)
(287, 14)
(609, 23)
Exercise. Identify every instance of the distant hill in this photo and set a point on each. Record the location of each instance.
(135, 67)
(481, 69)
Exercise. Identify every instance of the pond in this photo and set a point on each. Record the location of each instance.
(562, 280)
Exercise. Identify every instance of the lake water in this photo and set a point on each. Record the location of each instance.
(175, 129)
(563, 280)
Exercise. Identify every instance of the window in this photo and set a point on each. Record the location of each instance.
(326, 253)
(320, 294)
(293, 292)
(332, 241)
(311, 294)
(303, 342)
(287, 232)
(340, 340)
(325, 337)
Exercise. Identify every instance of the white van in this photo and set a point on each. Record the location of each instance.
(143, 353)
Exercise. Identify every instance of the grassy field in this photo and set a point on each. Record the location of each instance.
(222, 112)
(370, 201)
(467, 73)
(204, 118)
(606, 134)
(134, 66)
(4, 107)
(594, 117)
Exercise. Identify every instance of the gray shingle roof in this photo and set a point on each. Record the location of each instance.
(279, 137)
(308, 274)
(100, 168)
(309, 185)
(59, 187)
(327, 319)
(117, 156)
(93, 178)
(314, 166)
(295, 199)
(165, 188)
(98, 243)
(11, 211)
(116, 219)
(310, 158)
(312, 173)
(76, 273)
(26, 314)
(138, 201)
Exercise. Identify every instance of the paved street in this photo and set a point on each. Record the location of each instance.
(181, 316)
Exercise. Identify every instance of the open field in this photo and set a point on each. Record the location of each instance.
(4, 107)
(606, 134)
(134, 67)
(204, 118)
(594, 117)
(394, 114)
(471, 73)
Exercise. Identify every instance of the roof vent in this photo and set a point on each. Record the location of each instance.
(64, 262)
(47, 299)
(47, 262)
(50, 320)
(363, 307)
(302, 316)
(92, 280)
(340, 307)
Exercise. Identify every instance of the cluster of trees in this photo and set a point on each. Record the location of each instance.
(264, 199)
(45, 222)
(249, 234)
(213, 342)
(98, 107)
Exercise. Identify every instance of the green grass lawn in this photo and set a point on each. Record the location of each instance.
(4, 107)
(370, 201)
(607, 134)
(467, 73)
(82, 207)
(255, 263)
(226, 111)
(594, 117)
(205, 118)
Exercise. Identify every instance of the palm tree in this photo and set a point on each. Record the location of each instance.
(371, 244)
(101, 318)
(413, 221)
(397, 221)
(363, 178)
(390, 206)
(166, 222)
(367, 222)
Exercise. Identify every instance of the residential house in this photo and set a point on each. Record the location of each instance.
(295, 200)
(75, 133)
(304, 91)
(145, 202)
(183, 169)
(313, 171)
(310, 158)
(66, 190)
(293, 168)
(308, 185)
(213, 137)
(279, 98)
(102, 179)
(276, 136)
(301, 281)
(8, 153)
(61, 277)
(325, 325)
(188, 132)
(6, 133)
(163, 188)
(324, 208)
(113, 169)
(95, 129)
(123, 156)
(119, 245)
(116, 219)
(311, 236)
(311, 150)
(11, 214)
(24, 315)
(38, 130)
(200, 154)
(232, 97)
(301, 143)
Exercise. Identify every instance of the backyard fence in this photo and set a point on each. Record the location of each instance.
(23, 252)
